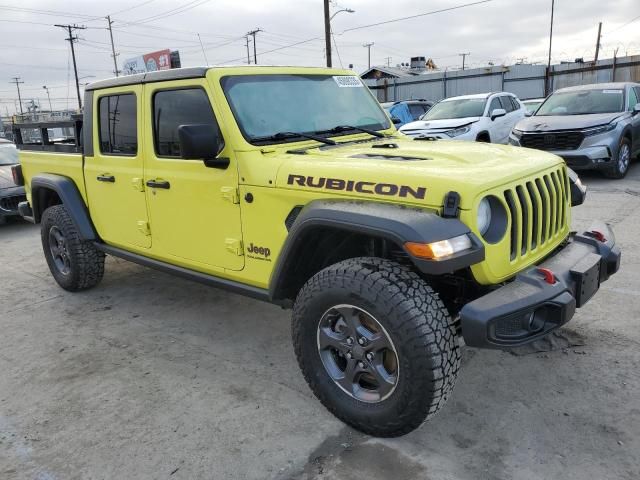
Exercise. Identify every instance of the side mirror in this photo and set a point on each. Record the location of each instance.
(528, 113)
(202, 142)
(396, 120)
(636, 109)
(498, 112)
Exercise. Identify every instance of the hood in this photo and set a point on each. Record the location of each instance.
(545, 123)
(6, 179)
(410, 171)
(444, 124)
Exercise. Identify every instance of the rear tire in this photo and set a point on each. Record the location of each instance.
(382, 299)
(623, 159)
(75, 264)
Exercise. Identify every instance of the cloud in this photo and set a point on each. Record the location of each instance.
(498, 31)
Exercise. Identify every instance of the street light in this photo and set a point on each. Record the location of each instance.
(327, 27)
(49, 97)
(348, 10)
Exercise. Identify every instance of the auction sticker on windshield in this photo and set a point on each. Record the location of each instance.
(348, 81)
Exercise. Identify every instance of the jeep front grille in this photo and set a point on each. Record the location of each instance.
(538, 211)
(552, 140)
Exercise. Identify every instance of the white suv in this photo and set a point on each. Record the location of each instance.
(485, 117)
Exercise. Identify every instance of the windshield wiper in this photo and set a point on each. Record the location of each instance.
(345, 128)
(284, 135)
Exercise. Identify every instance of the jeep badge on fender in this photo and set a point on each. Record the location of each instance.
(387, 249)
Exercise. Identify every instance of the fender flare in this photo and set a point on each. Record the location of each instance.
(397, 223)
(70, 196)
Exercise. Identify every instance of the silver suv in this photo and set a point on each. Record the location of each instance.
(590, 126)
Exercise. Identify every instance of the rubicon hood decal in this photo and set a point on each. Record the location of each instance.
(387, 189)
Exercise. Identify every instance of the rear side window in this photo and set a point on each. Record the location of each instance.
(172, 108)
(118, 127)
(516, 103)
(506, 103)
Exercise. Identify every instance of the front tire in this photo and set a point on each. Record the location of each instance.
(621, 165)
(75, 264)
(376, 345)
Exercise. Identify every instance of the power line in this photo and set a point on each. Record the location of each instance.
(172, 12)
(130, 8)
(433, 12)
(203, 52)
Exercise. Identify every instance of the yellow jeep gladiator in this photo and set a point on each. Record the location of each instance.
(292, 186)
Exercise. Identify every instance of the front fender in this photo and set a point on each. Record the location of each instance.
(396, 223)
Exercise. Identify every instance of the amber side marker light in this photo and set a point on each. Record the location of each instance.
(436, 250)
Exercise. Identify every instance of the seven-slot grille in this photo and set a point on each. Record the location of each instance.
(552, 140)
(538, 210)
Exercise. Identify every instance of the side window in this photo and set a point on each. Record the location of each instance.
(416, 110)
(118, 128)
(516, 103)
(633, 98)
(495, 103)
(506, 103)
(172, 108)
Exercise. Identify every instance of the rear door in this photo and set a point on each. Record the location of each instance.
(194, 209)
(113, 173)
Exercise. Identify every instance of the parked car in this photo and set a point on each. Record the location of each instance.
(407, 110)
(10, 193)
(485, 117)
(590, 126)
(532, 105)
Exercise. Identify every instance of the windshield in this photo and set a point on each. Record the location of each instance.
(461, 108)
(583, 102)
(531, 106)
(265, 105)
(8, 154)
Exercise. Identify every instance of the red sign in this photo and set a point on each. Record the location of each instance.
(160, 60)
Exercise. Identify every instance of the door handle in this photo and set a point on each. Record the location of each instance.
(106, 178)
(159, 184)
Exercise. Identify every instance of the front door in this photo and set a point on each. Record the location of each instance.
(113, 174)
(195, 210)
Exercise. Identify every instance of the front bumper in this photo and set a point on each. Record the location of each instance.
(533, 305)
(596, 152)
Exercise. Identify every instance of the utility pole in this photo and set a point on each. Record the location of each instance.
(388, 59)
(49, 97)
(368, 46)
(253, 34)
(17, 81)
(72, 40)
(464, 57)
(248, 56)
(327, 32)
(547, 83)
(113, 48)
(598, 41)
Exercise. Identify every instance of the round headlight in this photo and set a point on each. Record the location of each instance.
(484, 216)
(492, 219)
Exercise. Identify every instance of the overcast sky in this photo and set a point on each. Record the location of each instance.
(499, 31)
